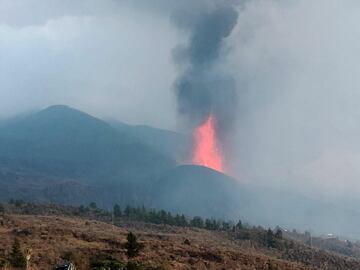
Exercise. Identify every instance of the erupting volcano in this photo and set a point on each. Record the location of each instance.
(205, 90)
(206, 152)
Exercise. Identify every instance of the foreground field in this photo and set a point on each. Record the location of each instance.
(49, 238)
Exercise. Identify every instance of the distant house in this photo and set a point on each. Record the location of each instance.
(68, 266)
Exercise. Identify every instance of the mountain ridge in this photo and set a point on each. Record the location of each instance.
(63, 155)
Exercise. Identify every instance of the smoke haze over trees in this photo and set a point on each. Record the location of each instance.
(294, 65)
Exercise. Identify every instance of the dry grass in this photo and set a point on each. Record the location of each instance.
(49, 237)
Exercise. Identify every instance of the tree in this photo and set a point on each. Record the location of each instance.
(279, 233)
(208, 224)
(117, 210)
(183, 221)
(239, 225)
(225, 226)
(163, 216)
(127, 211)
(83, 209)
(197, 222)
(17, 258)
(270, 239)
(133, 247)
(93, 205)
(2, 209)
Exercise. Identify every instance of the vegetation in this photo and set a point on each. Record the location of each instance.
(107, 262)
(117, 211)
(279, 243)
(68, 256)
(17, 258)
(2, 263)
(133, 247)
(93, 205)
(164, 217)
(267, 238)
(278, 239)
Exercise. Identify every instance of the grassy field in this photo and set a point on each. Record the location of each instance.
(49, 238)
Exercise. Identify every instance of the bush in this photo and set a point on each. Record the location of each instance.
(139, 266)
(68, 256)
(133, 247)
(279, 234)
(17, 258)
(117, 211)
(2, 263)
(106, 262)
(197, 222)
(93, 205)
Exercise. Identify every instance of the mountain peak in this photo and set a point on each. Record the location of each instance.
(59, 108)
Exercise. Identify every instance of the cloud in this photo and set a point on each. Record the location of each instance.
(336, 172)
(296, 66)
(112, 63)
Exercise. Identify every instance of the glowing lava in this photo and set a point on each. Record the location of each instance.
(206, 152)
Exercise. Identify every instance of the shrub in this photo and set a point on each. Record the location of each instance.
(117, 210)
(133, 247)
(93, 205)
(2, 263)
(106, 262)
(68, 256)
(17, 258)
(197, 222)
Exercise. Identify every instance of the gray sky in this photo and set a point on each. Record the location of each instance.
(103, 57)
(295, 63)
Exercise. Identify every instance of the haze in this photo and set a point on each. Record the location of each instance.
(295, 65)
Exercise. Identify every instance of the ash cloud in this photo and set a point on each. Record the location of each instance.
(203, 87)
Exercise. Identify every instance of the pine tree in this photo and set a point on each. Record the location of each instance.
(117, 210)
(127, 211)
(133, 247)
(270, 238)
(208, 224)
(17, 258)
(93, 205)
(278, 233)
(239, 225)
(183, 221)
(197, 222)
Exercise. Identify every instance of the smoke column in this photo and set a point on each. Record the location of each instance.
(203, 90)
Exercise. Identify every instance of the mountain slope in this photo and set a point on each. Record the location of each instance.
(197, 190)
(66, 156)
(169, 143)
(87, 233)
(201, 191)
(65, 142)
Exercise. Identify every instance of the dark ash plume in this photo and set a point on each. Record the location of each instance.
(203, 88)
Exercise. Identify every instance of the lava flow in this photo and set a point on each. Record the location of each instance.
(206, 152)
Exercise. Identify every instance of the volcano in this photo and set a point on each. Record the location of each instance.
(206, 150)
(199, 190)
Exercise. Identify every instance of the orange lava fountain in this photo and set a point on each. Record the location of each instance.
(206, 152)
